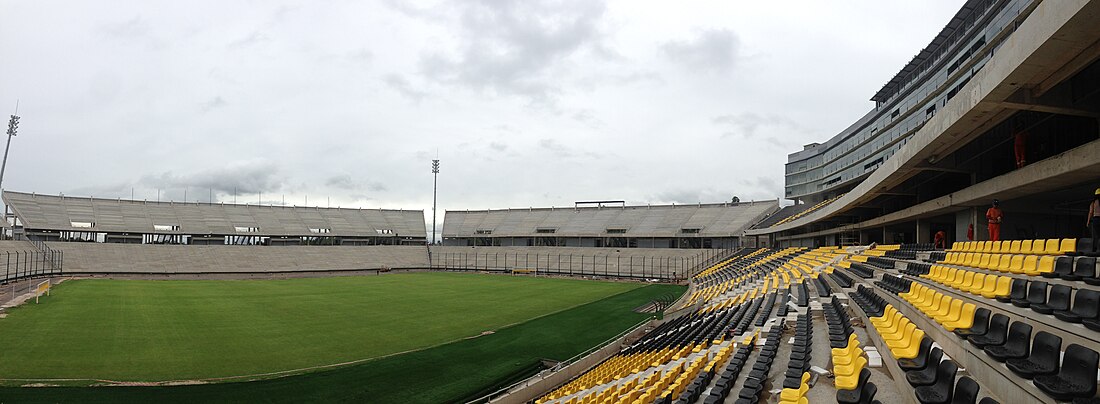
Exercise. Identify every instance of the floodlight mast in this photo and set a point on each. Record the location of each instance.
(435, 189)
(13, 129)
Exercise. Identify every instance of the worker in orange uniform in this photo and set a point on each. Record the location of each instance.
(1020, 143)
(994, 216)
(970, 232)
(1093, 222)
(940, 240)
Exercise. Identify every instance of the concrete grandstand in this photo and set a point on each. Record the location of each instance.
(67, 218)
(652, 226)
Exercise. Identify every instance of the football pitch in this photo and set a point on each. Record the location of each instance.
(390, 333)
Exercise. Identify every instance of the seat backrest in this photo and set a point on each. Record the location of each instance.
(1019, 335)
(1068, 245)
(1019, 289)
(1003, 287)
(1046, 349)
(1038, 246)
(978, 282)
(1052, 247)
(1059, 297)
(1085, 266)
(966, 391)
(995, 247)
(1086, 303)
(1046, 264)
(984, 263)
(998, 324)
(1014, 247)
(1037, 292)
(1025, 246)
(945, 375)
(1079, 366)
(1030, 264)
(981, 321)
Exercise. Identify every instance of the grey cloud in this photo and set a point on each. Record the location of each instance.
(242, 178)
(498, 146)
(360, 56)
(398, 83)
(132, 28)
(713, 50)
(510, 48)
(346, 182)
(213, 103)
(252, 39)
(747, 124)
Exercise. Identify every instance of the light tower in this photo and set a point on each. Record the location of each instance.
(435, 188)
(13, 129)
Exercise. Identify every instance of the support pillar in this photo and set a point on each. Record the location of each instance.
(924, 230)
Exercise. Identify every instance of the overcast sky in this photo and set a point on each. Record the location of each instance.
(527, 103)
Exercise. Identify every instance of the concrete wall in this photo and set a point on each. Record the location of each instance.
(159, 259)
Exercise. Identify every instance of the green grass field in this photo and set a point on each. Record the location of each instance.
(451, 372)
(179, 330)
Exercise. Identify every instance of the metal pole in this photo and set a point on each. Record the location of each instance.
(435, 188)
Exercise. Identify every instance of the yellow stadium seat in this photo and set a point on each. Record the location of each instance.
(953, 275)
(896, 330)
(967, 280)
(1025, 246)
(1014, 247)
(944, 309)
(995, 261)
(1052, 247)
(938, 300)
(1068, 246)
(1046, 265)
(949, 313)
(911, 349)
(965, 320)
(1017, 264)
(1030, 265)
(1038, 247)
(977, 284)
(902, 338)
(984, 262)
(850, 366)
(1005, 264)
(955, 245)
(852, 381)
(1002, 288)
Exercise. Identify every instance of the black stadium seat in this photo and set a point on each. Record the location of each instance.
(1018, 291)
(940, 392)
(1077, 378)
(1086, 305)
(1043, 359)
(1057, 301)
(921, 360)
(1083, 268)
(1017, 345)
(981, 324)
(1036, 294)
(1063, 266)
(995, 335)
(966, 391)
(927, 374)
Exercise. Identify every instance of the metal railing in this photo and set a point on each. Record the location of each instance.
(30, 264)
(560, 365)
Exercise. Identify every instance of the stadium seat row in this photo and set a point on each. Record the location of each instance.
(1038, 247)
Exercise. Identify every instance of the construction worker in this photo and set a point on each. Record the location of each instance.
(1020, 143)
(970, 232)
(1093, 222)
(940, 240)
(994, 216)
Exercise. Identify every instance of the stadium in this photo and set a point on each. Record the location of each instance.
(875, 278)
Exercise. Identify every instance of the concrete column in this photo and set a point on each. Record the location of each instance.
(923, 231)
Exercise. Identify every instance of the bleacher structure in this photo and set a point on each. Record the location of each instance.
(887, 323)
(66, 218)
(716, 225)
